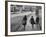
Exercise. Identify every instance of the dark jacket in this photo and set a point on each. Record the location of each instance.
(37, 20)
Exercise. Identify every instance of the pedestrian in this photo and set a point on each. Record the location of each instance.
(24, 21)
(32, 21)
(37, 22)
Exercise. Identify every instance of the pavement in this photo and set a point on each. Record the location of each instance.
(19, 27)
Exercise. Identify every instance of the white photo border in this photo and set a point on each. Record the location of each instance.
(25, 32)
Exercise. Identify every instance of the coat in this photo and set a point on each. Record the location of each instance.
(32, 21)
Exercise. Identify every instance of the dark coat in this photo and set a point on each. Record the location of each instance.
(32, 21)
(24, 20)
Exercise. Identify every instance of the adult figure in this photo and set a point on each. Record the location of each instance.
(32, 21)
(37, 22)
(24, 21)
